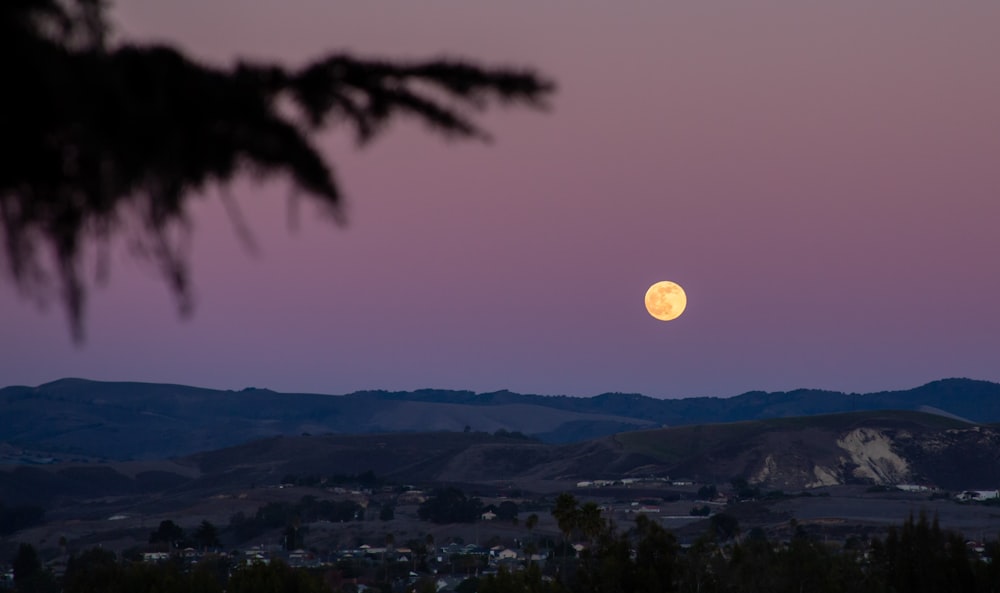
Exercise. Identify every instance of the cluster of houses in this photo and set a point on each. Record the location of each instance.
(979, 495)
(964, 496)
(490, 557)
(449, 565)
(486, 560)
(632, 482)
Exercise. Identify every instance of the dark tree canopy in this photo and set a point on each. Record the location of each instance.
(26, 564)
(207, 536)
(99, 140)
(168, 532)
(450, 505)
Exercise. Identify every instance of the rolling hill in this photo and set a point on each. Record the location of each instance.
(895, 447)
(81, 419)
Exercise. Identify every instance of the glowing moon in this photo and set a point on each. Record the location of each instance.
(666, 300)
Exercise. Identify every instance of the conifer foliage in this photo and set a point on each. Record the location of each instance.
(100, 139)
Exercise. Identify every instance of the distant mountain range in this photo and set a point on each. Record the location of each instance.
(77, 418)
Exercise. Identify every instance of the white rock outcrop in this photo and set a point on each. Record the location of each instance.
(871, 451)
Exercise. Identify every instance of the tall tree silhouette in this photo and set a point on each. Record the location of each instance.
(98, 140)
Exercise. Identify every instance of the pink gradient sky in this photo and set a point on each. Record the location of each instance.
(822, 178)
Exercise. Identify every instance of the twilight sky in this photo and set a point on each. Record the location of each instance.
(823, 179)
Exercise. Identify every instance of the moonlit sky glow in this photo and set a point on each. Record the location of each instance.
(822, 178)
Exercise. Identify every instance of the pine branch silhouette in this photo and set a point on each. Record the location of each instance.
(98, 140)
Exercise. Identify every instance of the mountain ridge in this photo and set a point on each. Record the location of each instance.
(135, 420)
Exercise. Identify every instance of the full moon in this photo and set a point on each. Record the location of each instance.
(666, 300)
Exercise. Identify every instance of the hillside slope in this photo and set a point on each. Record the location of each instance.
(778, 454)
(76, 418)
(878, 447)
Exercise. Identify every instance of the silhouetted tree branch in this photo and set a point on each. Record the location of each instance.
(98, 140)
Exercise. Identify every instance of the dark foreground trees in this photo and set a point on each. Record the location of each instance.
(916, 557)
(450, 505)
(99, 140)
(29, 574)
(99, 571)
(206, 536)
(169, 533)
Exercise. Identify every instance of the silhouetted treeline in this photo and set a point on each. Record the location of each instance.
(917, 557)
(450, 505)
(206, 536)
(283, 514)
(514, 434)
(100, 571)
(366, 479)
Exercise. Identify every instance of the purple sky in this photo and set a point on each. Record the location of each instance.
(823, 179)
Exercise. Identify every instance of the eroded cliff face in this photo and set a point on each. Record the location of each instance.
(798, 453)
(949, 459)
(825, 477)
(871, 456)
(861, 455)
(794, 470)
(864, 455)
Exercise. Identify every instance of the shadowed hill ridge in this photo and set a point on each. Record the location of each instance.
(130, 420)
